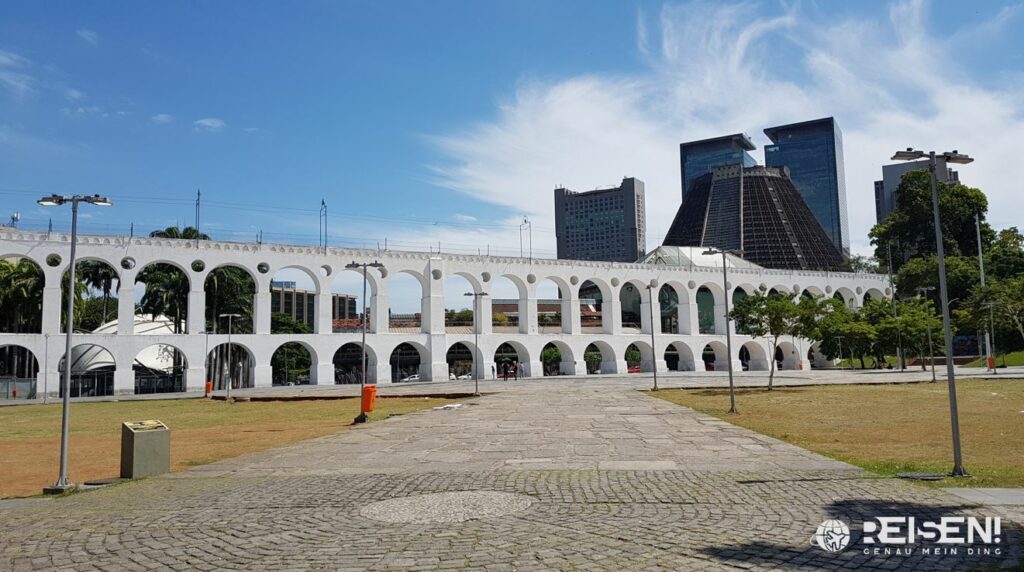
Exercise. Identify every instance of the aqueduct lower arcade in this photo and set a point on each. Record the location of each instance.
(601, 312)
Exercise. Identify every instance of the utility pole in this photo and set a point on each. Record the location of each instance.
(895, 316)
(990, 359)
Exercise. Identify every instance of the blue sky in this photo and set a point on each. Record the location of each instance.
(452, 120)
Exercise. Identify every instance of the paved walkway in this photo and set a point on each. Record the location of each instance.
(596, 476)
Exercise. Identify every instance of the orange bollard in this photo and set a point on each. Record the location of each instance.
(369, 396)
(14, 393)
(209, 388)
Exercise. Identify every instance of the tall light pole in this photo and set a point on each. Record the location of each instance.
(652, 295)
(728, 326)
(63, 484)
(476, 340)
(840, 339)
(899, 335)
(231, 366)
(950, 157)
(362, 266)
(931, 348)
(527, 224)
(990, 359)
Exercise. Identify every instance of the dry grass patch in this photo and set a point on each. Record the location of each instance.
(202, 431)
(888, 429)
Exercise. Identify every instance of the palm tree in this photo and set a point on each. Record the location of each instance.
(187, 233)
(166, 293)
(98, 276)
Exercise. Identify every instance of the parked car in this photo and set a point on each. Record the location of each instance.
(465, 376)
(633, 369)
(413, 377)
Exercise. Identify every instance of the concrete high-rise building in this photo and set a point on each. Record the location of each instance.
(603, 224)
(300, 305)
(697, 158)
(886, 195)
(758, 211)
(813, 152)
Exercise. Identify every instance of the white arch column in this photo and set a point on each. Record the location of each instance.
(433, 320)
(124, 375)
(645, 314)
(378, 323)
(261, 308)
(323, 307)
(611, 314)
(195, 374)
(197, 310)
(485, 321)
(262, 371)
(571, 321)
(688, 317)
(721, 320)
(323, 373)
(528, 314)
(51, 306)
(126, 308)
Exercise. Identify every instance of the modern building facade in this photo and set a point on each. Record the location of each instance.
(886, 190)
(286, 298)
(695, 281)
(697, 158)
(603, 224)
(813, 153)
(758, 211)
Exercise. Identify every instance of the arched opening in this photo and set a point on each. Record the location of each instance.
(21, 296)
(787, 356)
(753, 357)
(599, 358)
(293, 302)
(846, 296)
(230, 294)
(291, 365)
(706, 315)
(346, 292)
(630, 300)
(460, 361)
(159, 368)
(556, 359)
(668, 309)
(508, 305)
(18, 371)
(817, 358)
(96, 285)
(591, 313)
(715, 356)
(348, 364)
(639, 358)
(92, 371)
(459, 309)
(550, 302)
(405, 299)
(232, 363)
(512, 360)
(163, 296)
(873, 294)
(679, 357)
(738, 294)
(405, 362)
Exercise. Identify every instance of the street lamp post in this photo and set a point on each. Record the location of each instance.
(476, 340)
(950, 157)
(990, 359)
(63, 484)
(230, 318)
(840, 340)
(652, 294)
(900, 360)
(728, 326)
(362, 266)
(931, 348)
(527, 224)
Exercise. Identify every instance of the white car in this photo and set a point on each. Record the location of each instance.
(413, 377)
(465, 376)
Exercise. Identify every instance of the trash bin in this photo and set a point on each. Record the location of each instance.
(145, 449)
(369, 396)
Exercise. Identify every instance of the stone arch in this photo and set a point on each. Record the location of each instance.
(100, 280)
(348, 363)
(459, 309)
(562, 363)
(710, 308)
(646, 363)
(715, 356)
(27, 314)
(165, 289)
(753, 356)
(812, 291)
(159, 368)
(846, 296)
(595, 297)
(600, 358)
(631, 298)
(554, 305)
(345, 288)
(512, 353)
(509, 304)
(790, 356)
(231, 288)
(410, 361)
(19, 369)
(817, 358)
(297, 296)
(462, 357)
(679, 357)
(872, 294)
(293, 363)
(404, 316)
(685, 308)
(92, 370)
(235, 362)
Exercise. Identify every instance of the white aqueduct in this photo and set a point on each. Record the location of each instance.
(128, 256)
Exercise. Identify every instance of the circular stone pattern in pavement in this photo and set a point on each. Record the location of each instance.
(457, 506)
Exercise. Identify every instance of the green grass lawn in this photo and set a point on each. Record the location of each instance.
(887, 429)
(1012, 358)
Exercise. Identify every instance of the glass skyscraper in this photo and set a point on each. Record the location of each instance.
(813, 152)
(698, 158)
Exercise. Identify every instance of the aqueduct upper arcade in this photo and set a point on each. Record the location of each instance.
(692, 339)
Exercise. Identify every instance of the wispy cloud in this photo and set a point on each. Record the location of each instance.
(73, 95)
(714, 69)
(459, 217)
(162, 118)
(89, 36)
(209, 124)
(14, 76)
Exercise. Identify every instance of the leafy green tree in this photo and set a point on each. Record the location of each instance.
(21, 296)
(961, 277)
(229, 290)
(166, 293)
(1006, 299)
(632, 354)
(291, 361)
(1005, 258)
(910, 230)
(767, 315)
(844, 332)
(187, 233)
(909, 329)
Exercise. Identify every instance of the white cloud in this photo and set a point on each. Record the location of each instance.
(13, 75)
(459, 217)
(162, 118)
(209, 124)
(720, 69)
(73, 94)
(88, 36)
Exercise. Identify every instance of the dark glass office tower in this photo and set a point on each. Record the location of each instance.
(756, 210)
(697, 158)
(813, 152)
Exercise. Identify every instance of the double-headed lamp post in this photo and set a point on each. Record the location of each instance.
(362, 266)
(476, 339)
(951, 157)
(728, 327)
(231, 366)
(62, 483)
(652, 298)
